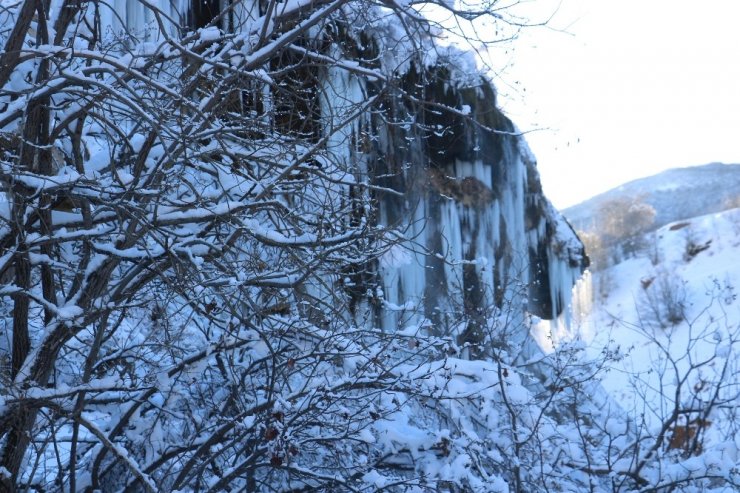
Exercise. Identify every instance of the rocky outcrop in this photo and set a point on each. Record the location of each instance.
(449, 173)
(462, 188)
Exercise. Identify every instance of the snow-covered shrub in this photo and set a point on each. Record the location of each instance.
(685, 424)
(176, 215)
(693, 245)
(655, 254)
(663, 300)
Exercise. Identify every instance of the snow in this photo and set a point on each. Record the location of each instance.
(209, 34)
(69, 312)
(215, 287)
(643, 379)
(375, 478)
(714, 269)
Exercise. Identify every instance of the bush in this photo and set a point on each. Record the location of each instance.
(663, 299)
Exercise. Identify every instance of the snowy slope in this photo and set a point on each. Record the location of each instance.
(703, 190)
(660, 331)
(664, 361)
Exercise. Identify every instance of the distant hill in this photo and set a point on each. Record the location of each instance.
(676, 194)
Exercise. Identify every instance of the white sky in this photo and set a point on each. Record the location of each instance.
(637, 86)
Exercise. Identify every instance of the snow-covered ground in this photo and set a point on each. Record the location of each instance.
(670, 318)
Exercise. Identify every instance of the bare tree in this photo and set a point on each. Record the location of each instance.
(620, 222)
(179, 223)
(682, 408)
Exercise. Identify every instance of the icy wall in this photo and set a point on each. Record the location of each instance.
(449, 174)
(457, 181)
(489, 230)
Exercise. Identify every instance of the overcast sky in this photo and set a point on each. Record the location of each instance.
(637, 86)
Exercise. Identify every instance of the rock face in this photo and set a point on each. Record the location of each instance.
(461, 187)
(449, 173)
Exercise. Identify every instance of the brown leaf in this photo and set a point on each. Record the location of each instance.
(271, 433)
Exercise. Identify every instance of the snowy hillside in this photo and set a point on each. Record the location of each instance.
(667, 324)
(703, 190)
